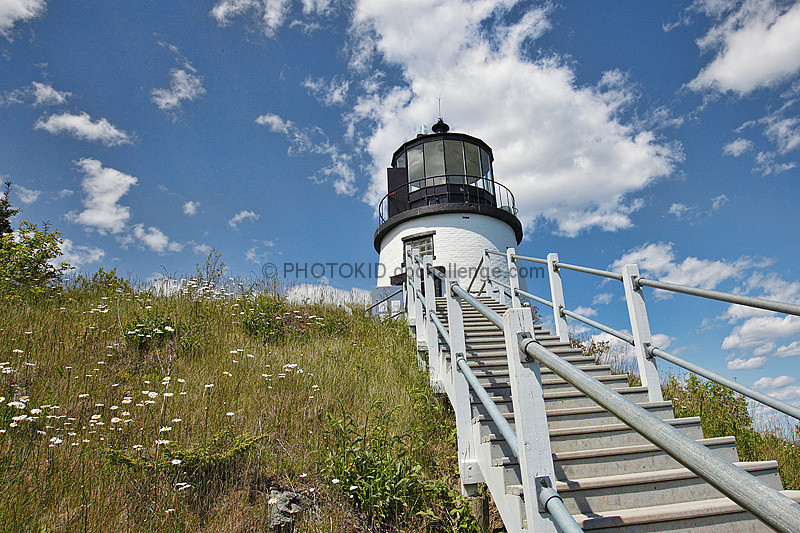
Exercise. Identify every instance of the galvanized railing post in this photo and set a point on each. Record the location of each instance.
(432, 334)
(419, 316)
(530, 422)
(513, 278)
(458, 390)
(642, 338)
(557, 297)
(411, 293)
(490, 286)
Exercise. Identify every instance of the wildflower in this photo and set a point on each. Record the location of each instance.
(272, 501)
(17, 350)
(176, 420)
(127, 399)
(152, 394)
(209, 385)
(96, 417)
(116, 420)
(353, 487)
(165, 428)
(181, 380)
(56, 440)
(35, 411)
(229, 413)
(303, 474)
(167, 394)
(176, 461)
(335, 481)
(162, 442)
(25, 399)
(168, 511)
(18, 405)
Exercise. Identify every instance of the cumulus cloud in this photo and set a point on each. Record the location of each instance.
(46, 95)
(201, 248)
(678, 210)
(756, 44)
(774, 383)
(79, 255)
(747, 364)
(585, 311)
(314, 140)
(659, 260)
(604, 298)
(329, 93)
(155, 239)
(190, 208)
(758, 331)
(241, 216)
(790, 350)
(82, 127)
(564, 149)
(26, 196)
(103, 188)
(184, 85)
(13, 11)
(269, 14)
(737, 147)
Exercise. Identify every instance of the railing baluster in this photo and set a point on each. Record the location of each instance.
(419, 316)
(530, 421)
(513, 278)
(458, 390)
(640, 326)
(557, 297)
(432, 335)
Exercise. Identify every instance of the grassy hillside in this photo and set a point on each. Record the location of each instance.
(129, 411)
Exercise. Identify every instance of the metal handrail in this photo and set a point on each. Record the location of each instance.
(492, 252)
(421, 298)
(531, 259)
(602, 327)
(493, 317)
(775, 403)
(772, 507)
(477, 270)
(439, 326)
(587, 270)
(387, 298)
(759, 303)
(535, 298)
(436, 273)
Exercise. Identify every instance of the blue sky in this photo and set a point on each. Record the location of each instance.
(662, 133)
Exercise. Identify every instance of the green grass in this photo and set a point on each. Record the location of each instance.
(139, 412)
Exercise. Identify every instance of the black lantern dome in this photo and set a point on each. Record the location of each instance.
(443, 172)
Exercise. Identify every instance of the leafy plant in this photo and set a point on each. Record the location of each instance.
(150, 330)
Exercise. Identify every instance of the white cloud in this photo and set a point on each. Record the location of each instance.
(790, 350)
(315, 141)
(13, 11)
(774, 383)
(747, 364)
(718, 201)
(190, 208)
(46, 95)
(737, 147)
(585, 311)
(155, 239)
(269, 14)
(82, 127)
(679, 210)
(26, 196)
(603, 298)
(79, 255)
(255, 256)
(758, 331)
(659, 261)
(787, 394)
(783, 131)
(239, 217)
(661, 341)
(201, 249)
(184, 85)
(766, 165)
(756, 45)
(333, 92)
(552, 138)
(103, 188)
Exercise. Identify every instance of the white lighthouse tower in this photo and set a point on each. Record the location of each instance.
(444, 202)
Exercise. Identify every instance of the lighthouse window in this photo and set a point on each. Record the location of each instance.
(434, 163)
(473, 157)
(416, 170)
(454, 161)
(424, 245)
(486, 167)
(401, 160)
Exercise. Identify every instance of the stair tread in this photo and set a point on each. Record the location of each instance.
(606, 428)
(573, 411)
(665, 513)
(564, 487)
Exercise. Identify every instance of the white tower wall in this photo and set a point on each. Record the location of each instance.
(458, 244)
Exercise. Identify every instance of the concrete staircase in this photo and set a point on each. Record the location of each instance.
(610, 477)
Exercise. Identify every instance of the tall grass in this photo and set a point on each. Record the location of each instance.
(124, 410)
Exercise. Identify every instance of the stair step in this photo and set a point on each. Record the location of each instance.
(629, 491)
(589, 416)
(593, 370)
(718, 515)
(551, 383)
(590, 438)
(562, 399)
(615, 461)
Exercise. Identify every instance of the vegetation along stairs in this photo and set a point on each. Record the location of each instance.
(609, 477)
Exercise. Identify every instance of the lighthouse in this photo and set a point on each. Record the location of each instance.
(444, 202)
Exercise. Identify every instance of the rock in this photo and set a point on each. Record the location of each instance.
(284, 507)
